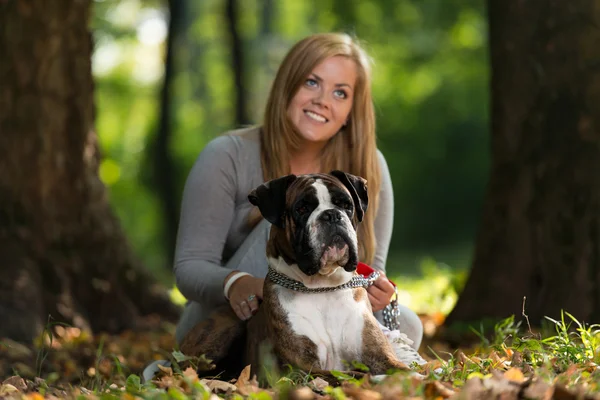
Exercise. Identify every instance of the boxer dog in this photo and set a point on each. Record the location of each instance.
(315, 314)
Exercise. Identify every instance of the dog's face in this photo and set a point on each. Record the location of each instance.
(314, 219)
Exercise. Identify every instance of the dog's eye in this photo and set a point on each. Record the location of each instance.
(342, 203)
(301, 209)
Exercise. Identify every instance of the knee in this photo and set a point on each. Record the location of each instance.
(411, 325)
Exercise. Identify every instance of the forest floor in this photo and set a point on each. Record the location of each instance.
(511, 362)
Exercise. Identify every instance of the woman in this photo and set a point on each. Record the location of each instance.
(319, 117)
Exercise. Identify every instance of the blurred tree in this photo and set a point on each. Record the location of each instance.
(63, 252)
(237, 64)
(162, 164)
(540, 233)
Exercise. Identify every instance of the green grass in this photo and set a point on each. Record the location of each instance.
(513, 357)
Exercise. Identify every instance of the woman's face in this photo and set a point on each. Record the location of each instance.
(322, 104)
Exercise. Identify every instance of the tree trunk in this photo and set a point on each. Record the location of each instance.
(162, 165)
(237, 63)
(62, 251)
(540, 231)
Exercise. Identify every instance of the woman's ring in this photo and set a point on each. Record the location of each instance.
(251, 297)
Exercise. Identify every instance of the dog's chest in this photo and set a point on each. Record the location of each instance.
(334, 321)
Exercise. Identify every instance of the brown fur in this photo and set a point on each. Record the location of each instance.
(359, 295)
(213, 336)
(377, 352)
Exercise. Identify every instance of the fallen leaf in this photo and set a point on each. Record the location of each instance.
(191, 374)
(497, 360)
(164, 382)
(571, 370)
(34, 396)
(166, 370)
(464, 360)
(319, 383)
(217, 385)
(562, 393)
(17, 382)
(435, 389)
(515, 375)
(473, 389)
(302, 393)
(539, 390)
(7, 388)
(499, 387)
(245, 386)
(431, 366)
(516, 359)
(507, 351)
(244, 376)
(357, 392)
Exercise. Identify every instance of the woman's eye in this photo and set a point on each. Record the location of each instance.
(311, 82)
(341, 94)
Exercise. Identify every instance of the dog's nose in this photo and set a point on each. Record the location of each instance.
(330, 216)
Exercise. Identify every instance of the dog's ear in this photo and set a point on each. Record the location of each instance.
(357, 187)
(270, 199)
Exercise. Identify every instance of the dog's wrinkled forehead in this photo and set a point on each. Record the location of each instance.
(304, 187)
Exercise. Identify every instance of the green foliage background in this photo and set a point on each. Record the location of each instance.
(430, 88)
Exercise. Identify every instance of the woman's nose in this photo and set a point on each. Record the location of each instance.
(320, 99)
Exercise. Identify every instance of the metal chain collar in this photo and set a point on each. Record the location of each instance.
(391, 312)
(289, 283)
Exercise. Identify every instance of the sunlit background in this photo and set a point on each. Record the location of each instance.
(430, 88)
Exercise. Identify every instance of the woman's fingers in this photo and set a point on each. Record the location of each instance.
(385, 285)
(238, 311)
(258, 290)
(253, 303)
(373, 301)
(380, 293)
(244, 296)
(246, 311)
(376, 303)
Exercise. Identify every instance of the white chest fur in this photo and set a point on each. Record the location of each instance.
(334, 321)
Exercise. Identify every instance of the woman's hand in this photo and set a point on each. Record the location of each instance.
(380, 293)
(244, 295)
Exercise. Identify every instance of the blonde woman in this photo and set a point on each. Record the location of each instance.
(319, 117)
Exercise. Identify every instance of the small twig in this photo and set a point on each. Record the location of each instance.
(527, 319)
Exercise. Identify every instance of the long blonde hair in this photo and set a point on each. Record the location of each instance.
(352, 150)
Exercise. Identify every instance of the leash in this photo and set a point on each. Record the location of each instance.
(391, 312)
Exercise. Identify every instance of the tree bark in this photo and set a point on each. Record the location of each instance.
(237, 63)
(540, 232)
(63, 254)
(163, 166)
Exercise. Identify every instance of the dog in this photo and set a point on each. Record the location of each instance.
(315, 314)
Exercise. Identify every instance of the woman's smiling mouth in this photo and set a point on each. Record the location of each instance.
(314, 116)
